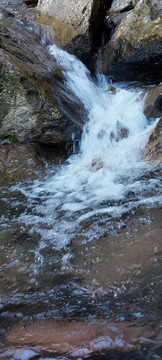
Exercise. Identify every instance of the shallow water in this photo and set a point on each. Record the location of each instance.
(83, 243)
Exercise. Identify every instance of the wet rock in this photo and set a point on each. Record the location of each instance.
(121, 5)
(20, 162)
(96, 164)
(153, 150)
(111, 88)
(80, 339)
(26, 116)
(134, 50)
(117, 13)
(12, 5)
(120, 133)
(153, 102)
(34, 102)
(71, 21)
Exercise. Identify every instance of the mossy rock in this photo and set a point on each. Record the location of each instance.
(13, 139)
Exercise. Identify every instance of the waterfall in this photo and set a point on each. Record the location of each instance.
(109, 175)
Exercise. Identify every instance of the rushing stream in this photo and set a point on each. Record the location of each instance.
(83, 243)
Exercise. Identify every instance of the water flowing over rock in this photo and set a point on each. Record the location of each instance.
(134, 50)
(71, 21)
(80, 249)
(34, 102)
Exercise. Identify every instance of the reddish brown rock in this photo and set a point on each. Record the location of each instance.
(20, 162)
(80, 339)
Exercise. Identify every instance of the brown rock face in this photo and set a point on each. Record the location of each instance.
(153, 102)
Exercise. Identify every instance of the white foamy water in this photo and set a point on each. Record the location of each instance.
(108, 176)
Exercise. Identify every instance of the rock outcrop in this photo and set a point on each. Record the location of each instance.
(72, 22)
(134, 49)
(34, 103)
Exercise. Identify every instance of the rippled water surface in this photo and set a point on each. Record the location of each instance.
(80, 249)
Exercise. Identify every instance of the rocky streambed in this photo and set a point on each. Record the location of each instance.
(80, 160)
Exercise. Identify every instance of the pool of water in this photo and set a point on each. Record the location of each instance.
(109, 271)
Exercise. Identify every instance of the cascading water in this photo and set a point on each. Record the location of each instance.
(109, 175)
(83, 243)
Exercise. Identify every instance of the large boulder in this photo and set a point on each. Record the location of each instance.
(72, 22)
(135, 48)
(34, 104)
(26, 116)
(153, 102)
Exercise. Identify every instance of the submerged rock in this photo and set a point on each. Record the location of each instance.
(134, 50)
(20, 162)
(153, 102)
(80, 339)
(153, 150)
